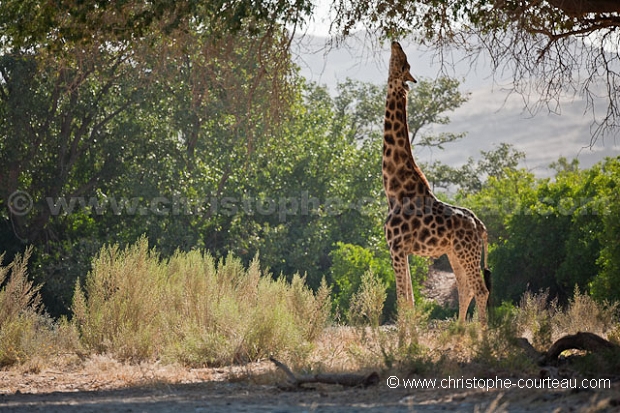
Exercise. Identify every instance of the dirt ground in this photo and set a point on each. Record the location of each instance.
(440, 286)
(257, 388)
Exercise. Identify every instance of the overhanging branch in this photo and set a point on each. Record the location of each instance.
(576, 8)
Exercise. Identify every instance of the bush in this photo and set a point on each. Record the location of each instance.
(583, 313)
(350, 263)
(543, 321)
(137, 307)
(534, 316)
(367, 303)
(26, 333)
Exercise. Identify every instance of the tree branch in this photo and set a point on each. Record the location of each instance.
(576, 8)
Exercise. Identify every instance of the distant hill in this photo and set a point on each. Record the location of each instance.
(492, 115)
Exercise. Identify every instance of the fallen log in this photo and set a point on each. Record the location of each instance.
(580, 341)
(529, 349)
(343, 379)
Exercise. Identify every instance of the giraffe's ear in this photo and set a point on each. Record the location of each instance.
(409, 77)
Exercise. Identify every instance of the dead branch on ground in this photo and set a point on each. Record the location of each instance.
(581, 341)
(343, 379)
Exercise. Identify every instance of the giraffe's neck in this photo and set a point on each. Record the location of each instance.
(402, 177)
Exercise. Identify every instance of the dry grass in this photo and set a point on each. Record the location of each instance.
(585, 314)
(367, 303)
(27, 335)
(192, 310)
(140, 318)
(542, 321)
(416, 345)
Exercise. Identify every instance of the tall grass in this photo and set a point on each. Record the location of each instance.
(19, 303)
(27, 335)
(542, 321)
(419, 345)
(190, 308)
(367, 303)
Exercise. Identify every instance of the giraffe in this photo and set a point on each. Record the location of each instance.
(419, 223)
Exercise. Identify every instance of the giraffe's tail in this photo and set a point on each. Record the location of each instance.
(485, 270)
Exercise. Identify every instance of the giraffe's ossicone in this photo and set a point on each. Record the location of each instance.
(418, 223)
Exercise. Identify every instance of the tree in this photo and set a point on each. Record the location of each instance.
(604, 178)
(428, 103)
(470, 177)
(554, 46)
(103, 113)
(553, 234)
(74, 77)
(176, 120)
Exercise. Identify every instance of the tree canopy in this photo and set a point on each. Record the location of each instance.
(32, 24)
(551, 47)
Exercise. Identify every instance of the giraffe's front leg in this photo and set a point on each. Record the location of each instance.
(404, 288)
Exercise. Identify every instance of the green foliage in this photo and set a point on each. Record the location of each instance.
(79, 122)
(34, 23)
(57, 267)
(352, 263)
(136, 306)
(216, 172)
(606, 182)
(552, 234)
(349, 265)
(428, 104)
(437, 311)
(469, 178)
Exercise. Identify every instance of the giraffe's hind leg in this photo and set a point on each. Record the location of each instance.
(470, 283)
(481, 292)
(465, 293)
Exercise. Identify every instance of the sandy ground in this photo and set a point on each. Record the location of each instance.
(258, 389)
(440, 286)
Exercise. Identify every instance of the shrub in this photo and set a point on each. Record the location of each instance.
(120, 308)
(191, 309)
(543, 321)
(583, 313)
(350, 262)
(533, 319)
(367, 303)
(409, 353)
(26, 332)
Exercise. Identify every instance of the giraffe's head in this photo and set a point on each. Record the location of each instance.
(399, 68)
